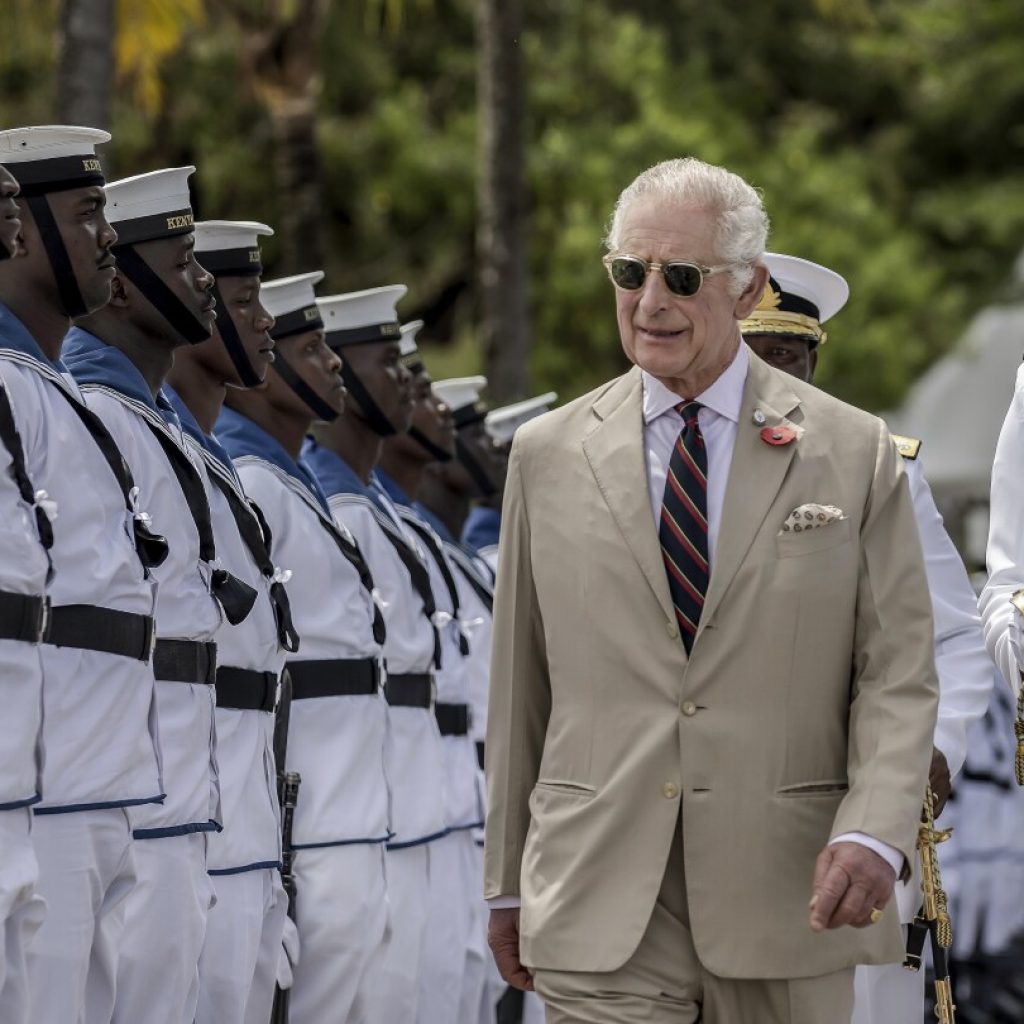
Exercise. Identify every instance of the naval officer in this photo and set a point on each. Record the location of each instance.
(787, 331)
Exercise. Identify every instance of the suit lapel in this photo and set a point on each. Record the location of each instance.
(755, 476)
(615, 450)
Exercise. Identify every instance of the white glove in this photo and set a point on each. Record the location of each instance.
(288, 959)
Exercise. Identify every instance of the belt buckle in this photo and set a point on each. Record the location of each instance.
(469, 718)
(149, 644)
(433, 690)
(43, 620)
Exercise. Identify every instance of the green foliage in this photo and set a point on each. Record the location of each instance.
(887, 136)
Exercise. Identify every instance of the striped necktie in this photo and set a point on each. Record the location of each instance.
(683, 530)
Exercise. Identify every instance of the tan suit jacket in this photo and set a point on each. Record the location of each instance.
(805, 709)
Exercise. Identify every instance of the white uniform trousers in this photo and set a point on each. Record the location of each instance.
(397, 975)
(476, 1005)
(888, 994)
(238, 966)
(86, 873)
(341, 914)
(21, 912)
(158, 972)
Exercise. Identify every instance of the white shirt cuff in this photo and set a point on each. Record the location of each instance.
(504, 903)
(888, 853)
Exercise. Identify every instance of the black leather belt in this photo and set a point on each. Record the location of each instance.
(91, 628)
(480, 754)
(23, 617)
(410, 690)
(185, 661)
(245, 689)
(453, 719)
(337, 677)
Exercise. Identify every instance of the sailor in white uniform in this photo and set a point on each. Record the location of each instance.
(477, 471)
(99, 737)
(483, 525)
(786, 330)
(238, 967)
(161, 301)
(26, 535)
(338, 716)
(363, 328)
(454, 912)
(24, 568)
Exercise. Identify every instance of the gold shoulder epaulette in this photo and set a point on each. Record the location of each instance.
(908, 447)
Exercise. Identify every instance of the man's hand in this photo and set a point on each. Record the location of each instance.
(849, 882)
(503, 938)
(938, 779)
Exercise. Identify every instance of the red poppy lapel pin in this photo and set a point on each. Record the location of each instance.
(779, 435)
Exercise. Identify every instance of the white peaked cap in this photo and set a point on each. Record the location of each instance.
(148, 195)
(823, 288)
(288, 294)
(459, 392)
(409, 331)
(502, 423)
(48, 142)
(220, 235)
(361, 309)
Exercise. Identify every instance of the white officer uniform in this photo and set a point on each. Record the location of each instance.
(414, 753)
(238, 967)
(24, 568)
(1002, 617)
(99, 735)
(803, 296)
(338, 717)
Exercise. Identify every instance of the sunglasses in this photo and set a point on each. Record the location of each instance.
(681, 277)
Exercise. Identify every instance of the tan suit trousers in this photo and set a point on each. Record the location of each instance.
(664, 982)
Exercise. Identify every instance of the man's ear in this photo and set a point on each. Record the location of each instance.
(751, 295)
(119, 292)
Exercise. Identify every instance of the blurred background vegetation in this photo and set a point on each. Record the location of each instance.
(383, 139)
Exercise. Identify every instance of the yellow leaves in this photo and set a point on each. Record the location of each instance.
(148, 32)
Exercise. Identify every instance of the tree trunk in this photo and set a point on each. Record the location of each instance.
(501, 229)
(300, 223)
(85, 62)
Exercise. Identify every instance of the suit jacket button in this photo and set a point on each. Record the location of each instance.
(689, 709)
(672, 629)
(671, 790)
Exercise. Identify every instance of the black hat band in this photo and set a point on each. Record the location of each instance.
(790, 303)
(154, 227)
(298, 321)
(232, 262)
(57, 174)
(469, 414)
(365, 335)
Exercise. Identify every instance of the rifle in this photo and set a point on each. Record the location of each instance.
(932, 920)
(288, 793)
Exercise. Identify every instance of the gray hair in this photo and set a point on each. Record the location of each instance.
(741, 234)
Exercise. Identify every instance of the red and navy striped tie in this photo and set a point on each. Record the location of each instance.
(683, 530)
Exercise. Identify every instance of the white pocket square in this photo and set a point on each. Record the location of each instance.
(810, 517)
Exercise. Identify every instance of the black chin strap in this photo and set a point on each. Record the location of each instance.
(320, 409)
(434, 450)
(70, 295)
(233, 343)
(476, 472)
(379, 423)
(166, 303)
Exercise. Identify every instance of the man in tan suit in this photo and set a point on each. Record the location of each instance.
(713, 690)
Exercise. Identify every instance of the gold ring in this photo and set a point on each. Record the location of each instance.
(876, 915)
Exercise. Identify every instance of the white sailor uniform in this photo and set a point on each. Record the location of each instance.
(888, 994)
(336, 737)
(238, 967)
(414, 757)
(99, 734)
(24, 568)
(167, 909)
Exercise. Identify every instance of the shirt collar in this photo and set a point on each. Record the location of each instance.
(14, 335)
(391, 489)
(241, 436)
(336, 476)
(190, 426)
(724, 396)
